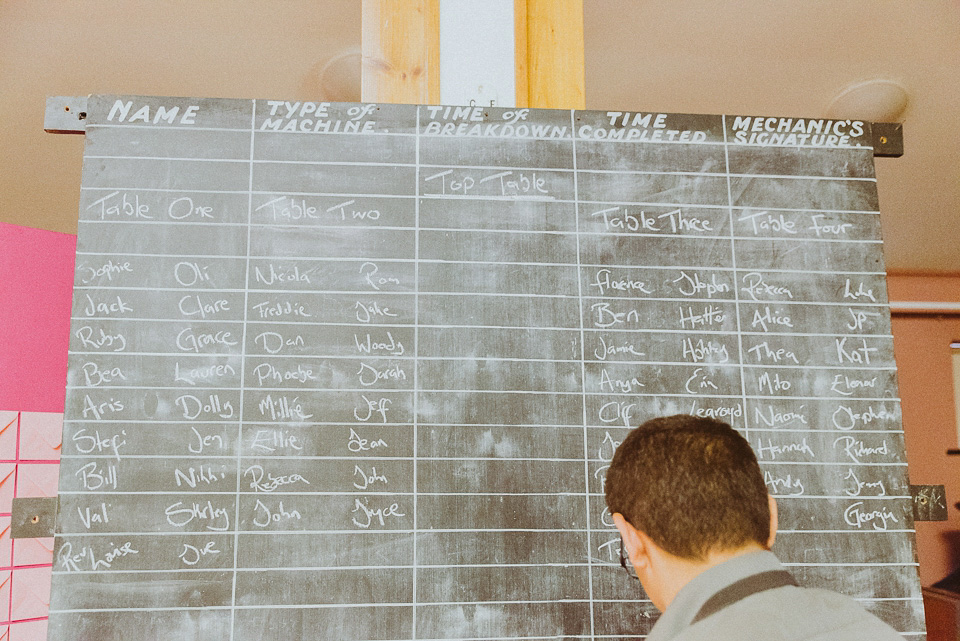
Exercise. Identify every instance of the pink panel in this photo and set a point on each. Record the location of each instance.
(36, 289)
(29, 460)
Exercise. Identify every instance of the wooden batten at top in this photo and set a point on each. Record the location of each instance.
(401, 51)
(550, 63)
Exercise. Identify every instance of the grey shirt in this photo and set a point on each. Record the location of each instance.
(782, 614)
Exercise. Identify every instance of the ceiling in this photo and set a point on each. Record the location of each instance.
(789, 58)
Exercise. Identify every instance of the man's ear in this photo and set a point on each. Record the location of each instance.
(633, 542)
(773, 521)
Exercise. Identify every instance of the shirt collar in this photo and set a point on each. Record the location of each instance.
(694, 594)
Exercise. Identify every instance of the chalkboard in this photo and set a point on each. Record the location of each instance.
(355, 371)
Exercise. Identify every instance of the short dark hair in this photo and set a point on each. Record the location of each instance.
(693, 485)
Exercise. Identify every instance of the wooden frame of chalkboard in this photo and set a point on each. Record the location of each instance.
(354, 371)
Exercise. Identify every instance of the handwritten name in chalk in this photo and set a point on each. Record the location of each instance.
(772, 451)
(603, 281)
(188, 274)
(261, 481)
(358, 444)
(763, 353)
(265, 516)
(845, 418)
(274, 275)
(828, 229)
(773, 384)
(880, 519)
(719, 412)
(108, 269)
(604, 349)
(606, 316)
(701, 351)
(708, 316)
(193, 407)
(96, 516)
(289, 209)
(764, 221)
(621, 385)
(89, 559)
(124, 207)
(367, 345)
(282, 408)
(859, 486)
(94, 308)
(367, 479)
(785, 485)
(758, 289)
(180, 514)
(775, 418)
(195, 475)
(120, 111)
(184, 208)
(700, 382)
(860, 318)
(848, 386)
(196, 305)
(369, 407)
(608, 446)
(346, 211)
(858, 293)
(94, 477)
(201, 373)
(281, 308)
(369, 375)
(371, 275)
(769, 317)
(187, 341)
(97, 339)
(274, 342)
(94, 376)
(680, 222)
(271, 440)
(693, 286)
(89, 443)
(270, 373)
(191, 555)
(369, 312)
(617, 411)
(368, 516)
(201, 441)
(859, 355)
(855, 449)
(619, 219)
(510, 183)
(92, 409)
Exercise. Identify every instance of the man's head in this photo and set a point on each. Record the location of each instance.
(692, 485)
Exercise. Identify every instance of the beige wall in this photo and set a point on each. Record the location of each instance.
(922, 350)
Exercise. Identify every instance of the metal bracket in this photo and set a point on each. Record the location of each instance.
(887, 139)
(65, 115)
(929, 502)
(32, 518)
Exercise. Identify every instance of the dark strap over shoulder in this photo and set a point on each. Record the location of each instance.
(742, 589)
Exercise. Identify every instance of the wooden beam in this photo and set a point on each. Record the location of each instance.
(522, 86)
(401, 51)
(549, 36)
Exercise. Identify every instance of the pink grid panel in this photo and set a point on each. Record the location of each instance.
(29, 466)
